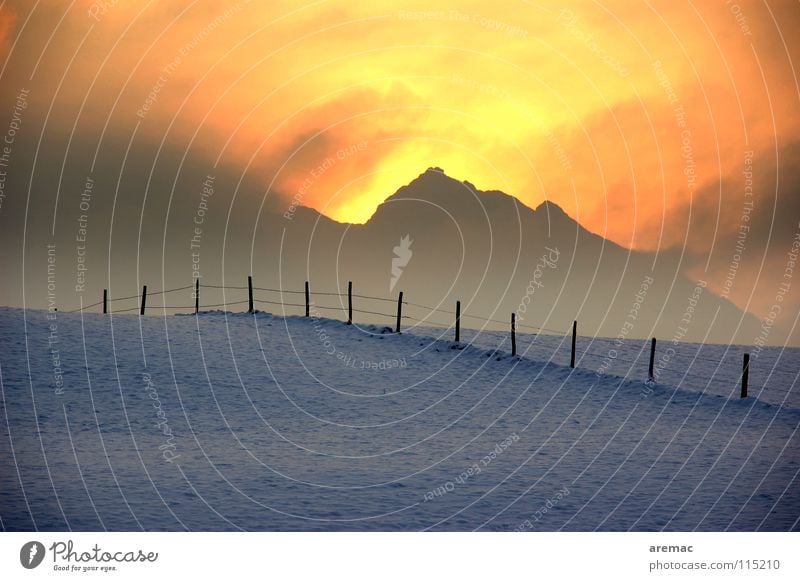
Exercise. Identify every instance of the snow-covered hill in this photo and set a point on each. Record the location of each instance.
(263, 422)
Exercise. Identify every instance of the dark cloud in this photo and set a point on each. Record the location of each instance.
(750, 247)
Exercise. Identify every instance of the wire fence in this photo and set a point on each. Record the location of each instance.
(346, 306)
(109, 302)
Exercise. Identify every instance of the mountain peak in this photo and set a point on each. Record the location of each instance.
(436, 175)
(436, 187)
(432, 173)
(432, 184)
(549, 208)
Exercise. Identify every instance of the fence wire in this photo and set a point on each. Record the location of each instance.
(342, 307)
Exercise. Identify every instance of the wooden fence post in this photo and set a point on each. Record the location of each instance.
(196, 296)
(308, 301)
(350, 302)
(574, 335)
(513, 334)
(650, 370)
(745, 373)
(458, 321)
(105, 301)
(250, 294)
(399, 311)
(144, 299)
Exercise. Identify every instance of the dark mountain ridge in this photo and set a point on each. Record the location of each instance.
(499, 256)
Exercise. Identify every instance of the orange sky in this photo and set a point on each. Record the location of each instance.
(576, 104)
(493, 94)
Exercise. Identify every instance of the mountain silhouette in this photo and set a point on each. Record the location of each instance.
(483, 248)
(497, 256)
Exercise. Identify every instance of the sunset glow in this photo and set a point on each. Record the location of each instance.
(630, 118)
(398, 266)
(525, 98)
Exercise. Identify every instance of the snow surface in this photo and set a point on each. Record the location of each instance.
(293, 423)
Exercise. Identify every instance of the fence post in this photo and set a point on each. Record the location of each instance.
(650, 371)
(574, 335)
(513, 334)
(308, 302)
(250, 294)
(105, 301)
(144, 299)
(458, 321)
(196, 296)
(745, 373)
(350, 302)
(399, 311)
